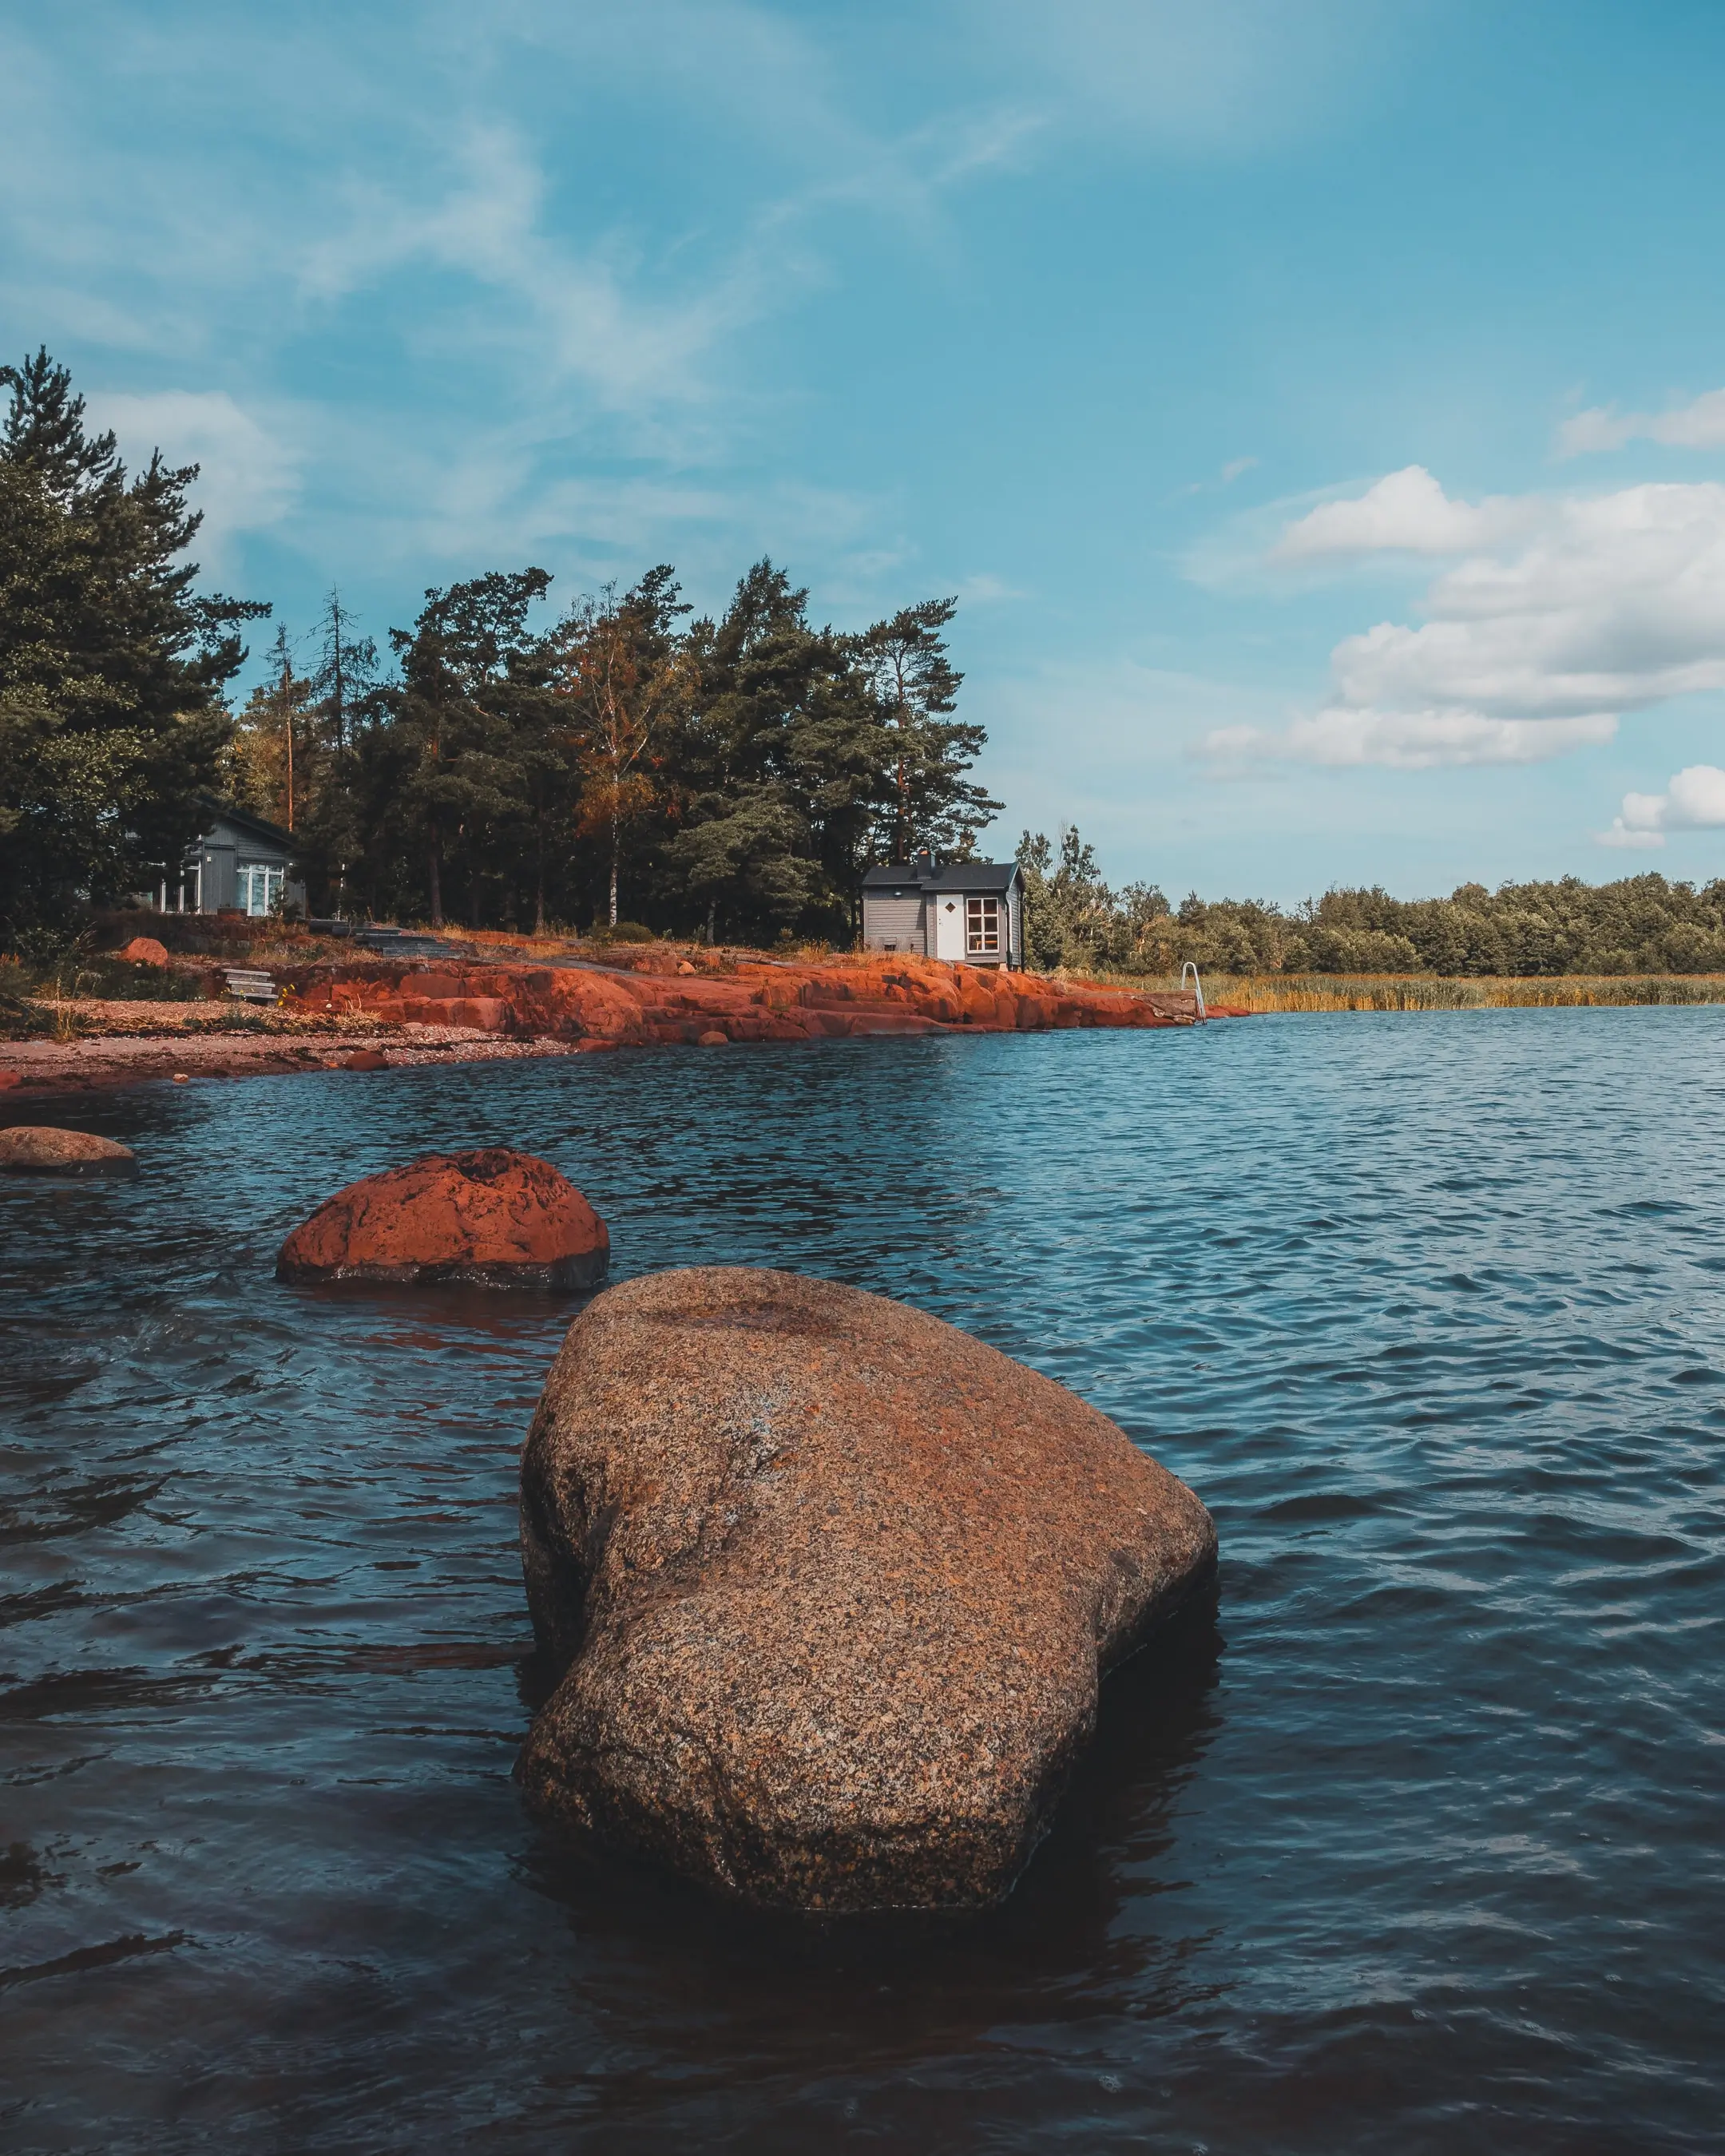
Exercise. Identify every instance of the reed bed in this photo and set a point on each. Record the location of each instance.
(1421, 991)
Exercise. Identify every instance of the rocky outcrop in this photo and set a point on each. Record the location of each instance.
(496, 1217)
(657, 998)
(833, 1586)
(28, 1149)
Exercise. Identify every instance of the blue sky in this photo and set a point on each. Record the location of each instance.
(1319, 407)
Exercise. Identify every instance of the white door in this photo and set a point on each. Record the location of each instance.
(948, 912)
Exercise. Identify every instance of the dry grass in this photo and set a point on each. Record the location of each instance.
(1421, 991)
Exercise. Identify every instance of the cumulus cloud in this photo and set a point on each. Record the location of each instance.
(1697, 426)
(1555, 614)
(1693, 801)
(1406, 512)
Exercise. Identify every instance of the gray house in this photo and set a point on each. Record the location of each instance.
(240, 863)
(969, 911)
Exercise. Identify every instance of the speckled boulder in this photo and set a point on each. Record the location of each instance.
(496, 1217)
(832, 1586)
(27, 1149)
(146, 951)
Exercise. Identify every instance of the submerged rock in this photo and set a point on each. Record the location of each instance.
(496, 1217)
(27, 1149)
(833, 1586)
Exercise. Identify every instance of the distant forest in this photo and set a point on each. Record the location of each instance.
(1641, 925)
(501, 765)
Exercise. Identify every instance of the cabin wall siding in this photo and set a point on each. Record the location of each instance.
(895, 921)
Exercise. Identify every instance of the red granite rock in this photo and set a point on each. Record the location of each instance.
(832, 1585)
(496, 1216)
(30, 1149)
(146, 951)
(366, 1059)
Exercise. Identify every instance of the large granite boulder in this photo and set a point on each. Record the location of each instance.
(27, 1149)
(832, 1586)
(496, 1217)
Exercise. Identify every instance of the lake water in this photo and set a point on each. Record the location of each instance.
(1416, 1844)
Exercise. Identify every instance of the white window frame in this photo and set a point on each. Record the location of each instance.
(982, 927)
(260, 879)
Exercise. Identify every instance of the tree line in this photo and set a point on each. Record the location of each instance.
(1640, 924)
(499, 763)
(503, 765)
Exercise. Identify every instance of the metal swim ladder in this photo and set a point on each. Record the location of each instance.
(1197, 988)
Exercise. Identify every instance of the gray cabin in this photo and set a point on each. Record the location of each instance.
(240, 865)
(972, 911)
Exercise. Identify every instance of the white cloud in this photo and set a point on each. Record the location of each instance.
(1235, 467)
(248, 477)
(1558, 612)
(1697, 426)
(1408, 741)
(1407, 512)
(1693, 801)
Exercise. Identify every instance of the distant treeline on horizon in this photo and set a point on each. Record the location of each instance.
(1639, 924)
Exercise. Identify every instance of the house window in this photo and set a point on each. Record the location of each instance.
(260, 887)
(982, 927)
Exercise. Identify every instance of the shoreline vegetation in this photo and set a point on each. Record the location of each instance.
(1267, 994)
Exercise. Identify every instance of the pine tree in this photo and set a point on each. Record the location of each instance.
(925, 798)
(112, 724)
(460, 785)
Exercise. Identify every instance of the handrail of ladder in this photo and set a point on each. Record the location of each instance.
(1197, 986)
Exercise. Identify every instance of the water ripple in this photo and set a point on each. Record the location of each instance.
(1412, 1843)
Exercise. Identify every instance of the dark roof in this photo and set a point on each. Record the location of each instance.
(950, 876)
(249, 826)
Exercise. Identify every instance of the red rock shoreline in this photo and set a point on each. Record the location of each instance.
(466, 1010)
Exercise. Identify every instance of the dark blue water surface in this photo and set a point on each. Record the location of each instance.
(1417, 1844)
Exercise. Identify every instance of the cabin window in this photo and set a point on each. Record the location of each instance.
(982, 927)
(260, 887)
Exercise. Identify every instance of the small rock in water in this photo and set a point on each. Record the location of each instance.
(714, 1039)
(832, 1586)
(27, 1149)
(494, 1216)
(366, 1059)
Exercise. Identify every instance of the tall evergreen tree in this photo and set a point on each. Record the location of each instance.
(458, 781)
(927, 800)
(112, 723)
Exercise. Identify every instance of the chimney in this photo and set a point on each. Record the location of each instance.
(925, 863)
